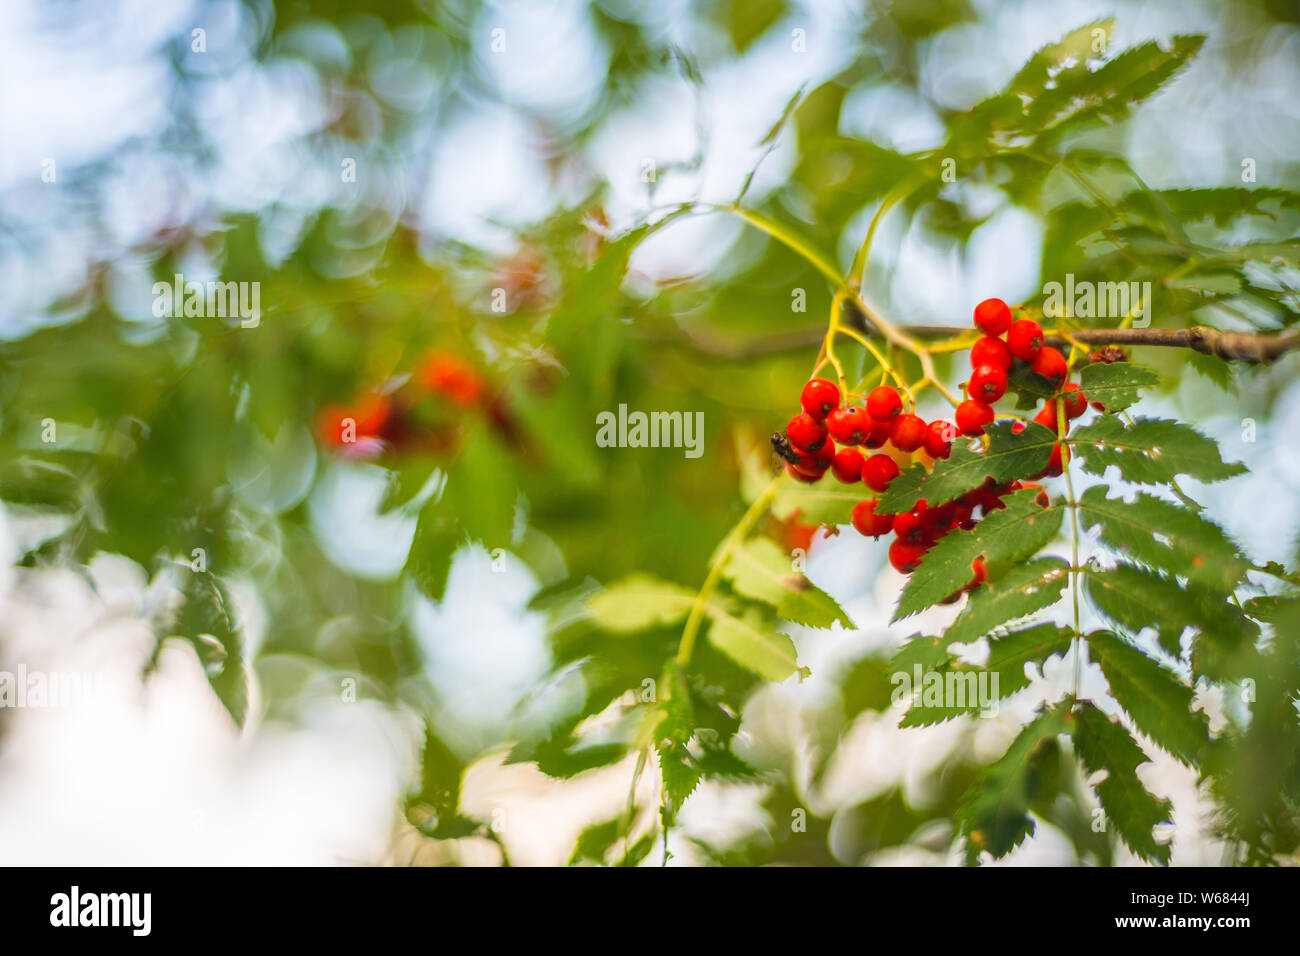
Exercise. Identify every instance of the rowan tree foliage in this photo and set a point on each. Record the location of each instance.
(672, 585)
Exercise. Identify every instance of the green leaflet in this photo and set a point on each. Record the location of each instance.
(823, 503)
(761, 570)
(1163, 535)
(673, 733)
(1007, 458)
(207, 621)
(752, 640)
(1133, 598)
(1009, 534)
(1008, 656)
(994, 813)
(1152, 451)
(1115, 386)
(1026, 588)
(1104, 744)
(640, 601)
(1159, 703)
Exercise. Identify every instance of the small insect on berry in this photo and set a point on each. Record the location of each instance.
(867, 522)
(1076, 403)
(993, 316)
(972, 416)
(819, 396)
(846, 466)
(878, 471)
(849, 426)
(884, 403)
(1024, 339)
(806, 432)
(988, 383)
(990, 351)
(939, 437)
(1050, 364)
(907, 432)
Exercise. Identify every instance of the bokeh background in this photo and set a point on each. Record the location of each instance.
(504, 146)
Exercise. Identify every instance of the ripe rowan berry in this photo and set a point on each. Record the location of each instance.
(867, 522)
(909, 526)
(1050, 364)
(907, 432)
(939, 437)
(878, 471)
(453, 377)
(1054, 465)
(1047, 414)
(972, 416)
(988, 383)
(884, 403)
(805, 432)
(906, 557)
(990, 351)
(993, 316)
(1024, 339)
(846, 466)
(798, 475)
(849, 426)
(819, 396)
(879, 435)
(1076, 403)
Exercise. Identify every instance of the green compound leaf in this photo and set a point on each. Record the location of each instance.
(761, 570)
(1007, 458)
(672, 735)
(1115, 386)
(1151, 451)
(1010, 534)
(1134, 598)
(638, 602)
(1000, 677)
(994, 813)
(1026, 588)
(1164, 535)
(1105, 744)
(1159, 703)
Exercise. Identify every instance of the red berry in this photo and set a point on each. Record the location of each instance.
(868, 522)
(452, 377)
(846, 466)
(1050, 364)
(907, 433)
(819, 396)
(879, 435)
(909, 525)
(1047, 415)
(990, 351)
(972, 416)
(798, 475)
(1054, 465)
(878, 471)
(938, 438)
(1024, 339)
(993, 316)
(849, 426)
(1076, 403)
(806, 432)
(883, 403)
(981, 575)
(988, 383)
(905, 557)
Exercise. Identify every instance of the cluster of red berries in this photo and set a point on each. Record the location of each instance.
(379, 420)
(827, 435)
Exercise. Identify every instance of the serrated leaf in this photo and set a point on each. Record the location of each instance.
(1025, 589)
(1007, 458)
(752, 640)
(1115, 385)
(1002, 675)
(1134, 598)
(994, 813)
(1151, 451)
(1164, 535)
(595, 840)
(639, 601)
(1104, 744)
(1010, 534)
(1030, 388)
(761, 570)
(672, 735)
(1157, 701)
